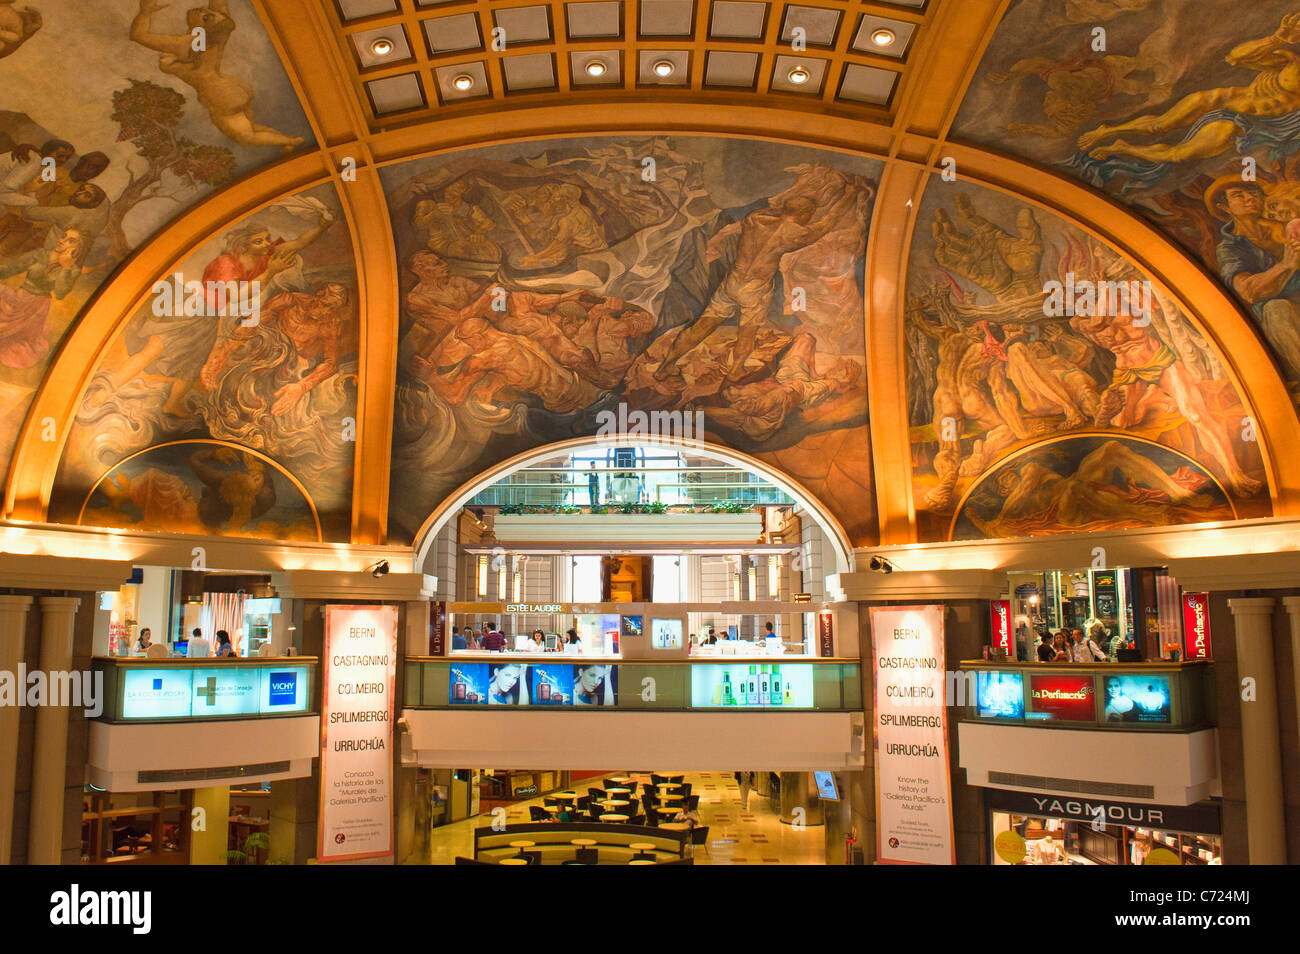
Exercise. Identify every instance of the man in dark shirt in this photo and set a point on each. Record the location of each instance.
(1046, 651)
(493, 642)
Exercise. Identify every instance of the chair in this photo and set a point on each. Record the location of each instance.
(597, 794)
(657, 780)
(534, 857)
(686, 790)
(552, 802)
(693, 803)
(538, 814)
(583, 802)
(651, 818)
(265, 650)
(700, 836)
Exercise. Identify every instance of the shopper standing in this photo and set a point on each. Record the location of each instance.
(593, 485)
(1045, 651)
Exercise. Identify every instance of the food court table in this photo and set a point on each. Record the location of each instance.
(615, 802)
(522, 843)
(641, 861)
(565, 796)
(513, 861)
(613, 817)
(675, 826)
(582, 842)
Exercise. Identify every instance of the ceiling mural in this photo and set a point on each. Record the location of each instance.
(1089, 484)
(202, 487)
(251, 342)
(1190, 114)
(112, 125)
(546, 283)
(1020, 328)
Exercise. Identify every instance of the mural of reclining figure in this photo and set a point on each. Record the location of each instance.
(1219, 117)
(1038, 499)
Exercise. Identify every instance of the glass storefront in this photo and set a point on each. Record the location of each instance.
(1032, 829)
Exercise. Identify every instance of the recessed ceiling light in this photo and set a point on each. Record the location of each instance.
(381, 46)
(883, 37)
(799, 76)
(596, 67)
(463, 82)
(663, 68)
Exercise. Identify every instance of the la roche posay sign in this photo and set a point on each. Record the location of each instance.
(913, 808)
(357, 733)
(156, 693)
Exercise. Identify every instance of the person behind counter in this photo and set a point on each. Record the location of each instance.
(572, 644)
(224, 646)
(143, 642)
(197, 646)
(1086, 650)
(1045, 651)
(493, 642)
(1060, 648)
(539, 642)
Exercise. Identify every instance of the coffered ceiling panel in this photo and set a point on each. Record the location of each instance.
(847, 57)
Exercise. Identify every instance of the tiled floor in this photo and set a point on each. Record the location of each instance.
(736, 837)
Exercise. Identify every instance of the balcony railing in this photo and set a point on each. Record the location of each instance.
(140, 689)
(1159, 697)
(673, 486)
(774, 684)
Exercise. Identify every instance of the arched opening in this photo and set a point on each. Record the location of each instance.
(834, 531)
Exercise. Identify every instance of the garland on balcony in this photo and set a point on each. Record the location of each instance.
(627, 508)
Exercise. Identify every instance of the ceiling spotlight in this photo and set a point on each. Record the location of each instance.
(883, 37)
(381, 46)
(663, 68)
(463, 82)
(596, 67)
(799, 76)
(379, 569)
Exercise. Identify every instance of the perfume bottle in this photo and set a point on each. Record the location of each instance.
(459, 688)
(778, 691)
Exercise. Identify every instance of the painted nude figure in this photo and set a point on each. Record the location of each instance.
(1218, 116)
(229, 101)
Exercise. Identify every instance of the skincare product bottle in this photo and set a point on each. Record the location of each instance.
(764, 686)
(778, 690)
(742, 691)
(753, 685)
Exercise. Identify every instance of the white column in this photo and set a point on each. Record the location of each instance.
(1292, 604)
(13, 630)
(1261, 747)
(50, 756)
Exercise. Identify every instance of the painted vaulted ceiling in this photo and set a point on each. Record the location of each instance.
(870, 260)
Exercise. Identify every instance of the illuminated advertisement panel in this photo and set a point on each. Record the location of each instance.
(1137, 699)
(1000, 695)
(751, 686)
(1067, 698)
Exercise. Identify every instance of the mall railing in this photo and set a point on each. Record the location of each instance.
(141, 689)
(674, 486)
(1156, 697)
(792, 685)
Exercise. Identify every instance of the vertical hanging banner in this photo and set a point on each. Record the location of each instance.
(1196, 625)
(913, 788)
(438, 628)
(1001, 613)
(825, 633)
(356, 758)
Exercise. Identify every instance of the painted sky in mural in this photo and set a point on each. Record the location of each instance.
(1186, 101)
(283, 382)
(990, 372)
(546, 282)
(125, 128)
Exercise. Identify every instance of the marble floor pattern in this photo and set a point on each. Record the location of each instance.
(752, 836)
